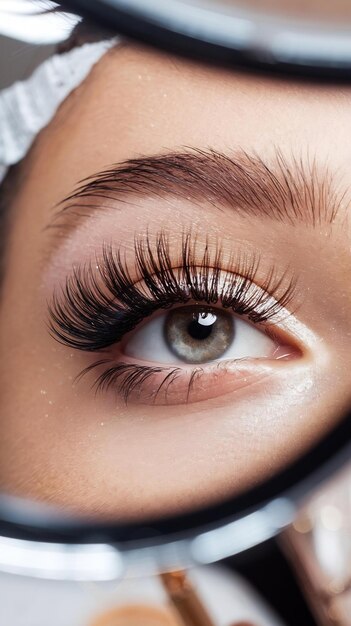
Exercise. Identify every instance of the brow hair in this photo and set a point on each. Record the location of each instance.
(292, 191)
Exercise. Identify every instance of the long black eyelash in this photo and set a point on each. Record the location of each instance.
(128, 377)
(101, 302)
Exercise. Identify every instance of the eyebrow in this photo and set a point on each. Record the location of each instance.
(291, 191)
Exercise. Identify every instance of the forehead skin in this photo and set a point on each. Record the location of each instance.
(137, 102)
(175, 104)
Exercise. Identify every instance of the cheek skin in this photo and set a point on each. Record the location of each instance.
(95, 456)
(80, 450)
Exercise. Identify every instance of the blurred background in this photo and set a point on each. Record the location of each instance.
(18, 59)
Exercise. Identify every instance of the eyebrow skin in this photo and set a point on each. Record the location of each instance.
(293, 192)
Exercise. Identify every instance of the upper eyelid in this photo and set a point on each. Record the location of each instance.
(85, 308)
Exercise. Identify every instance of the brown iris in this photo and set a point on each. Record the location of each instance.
(197, 334)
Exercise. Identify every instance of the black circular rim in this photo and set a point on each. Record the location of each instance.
(293, 482)
(142, 29)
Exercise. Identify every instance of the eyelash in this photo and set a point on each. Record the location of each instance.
(100, 303)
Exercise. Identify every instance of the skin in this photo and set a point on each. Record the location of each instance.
(94, 455)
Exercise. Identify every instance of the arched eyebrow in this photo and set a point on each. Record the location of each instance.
(291, 191)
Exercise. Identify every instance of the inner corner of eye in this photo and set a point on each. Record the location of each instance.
(200, 334)
(285, 346)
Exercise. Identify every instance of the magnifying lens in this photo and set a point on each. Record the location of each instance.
(310, 39)
(72, 542)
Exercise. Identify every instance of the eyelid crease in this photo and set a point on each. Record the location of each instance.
(102, 301)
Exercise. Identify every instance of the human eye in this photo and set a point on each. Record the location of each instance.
(199, 334)
(174, 326)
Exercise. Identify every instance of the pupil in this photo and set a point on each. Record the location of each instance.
(201, 328)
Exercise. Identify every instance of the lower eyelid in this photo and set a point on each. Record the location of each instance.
(177, 386)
